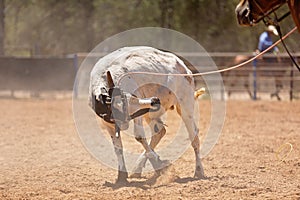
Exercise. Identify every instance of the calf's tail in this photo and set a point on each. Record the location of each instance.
(199, 92)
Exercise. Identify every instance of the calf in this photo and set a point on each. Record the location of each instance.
(119, 103)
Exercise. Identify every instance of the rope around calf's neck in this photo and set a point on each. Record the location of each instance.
(215, 71)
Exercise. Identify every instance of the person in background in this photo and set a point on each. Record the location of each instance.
(265, 40)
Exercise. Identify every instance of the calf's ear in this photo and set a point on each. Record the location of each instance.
(110, 81)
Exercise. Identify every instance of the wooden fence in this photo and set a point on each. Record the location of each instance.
(31, 77)
(268, 76)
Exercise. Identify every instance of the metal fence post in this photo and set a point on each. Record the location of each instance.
(75, 63)
(254, 80)
(291, 81)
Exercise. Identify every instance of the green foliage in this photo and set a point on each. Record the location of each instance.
(56, 27)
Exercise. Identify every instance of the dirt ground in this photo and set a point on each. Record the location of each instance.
(42, 157)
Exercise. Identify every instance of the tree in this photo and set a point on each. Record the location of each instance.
(2, 30)
(56, 27)
(167, 13)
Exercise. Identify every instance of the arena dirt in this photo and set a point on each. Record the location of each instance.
(42, 157)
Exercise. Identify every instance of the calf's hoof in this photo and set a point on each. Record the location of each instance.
(199, 175)
(136, 175)
(122, 177)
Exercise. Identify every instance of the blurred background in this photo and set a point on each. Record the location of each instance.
(55, 28)
(43, 36)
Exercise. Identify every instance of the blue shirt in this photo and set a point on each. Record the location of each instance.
(265, 41)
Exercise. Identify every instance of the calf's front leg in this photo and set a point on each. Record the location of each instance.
(149, 152)
(122, 171)
(158, 131)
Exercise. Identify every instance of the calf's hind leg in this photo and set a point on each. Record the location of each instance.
(187, 116)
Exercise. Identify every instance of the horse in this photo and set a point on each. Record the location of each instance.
(234, 76)
(113, 99)
(250, 12)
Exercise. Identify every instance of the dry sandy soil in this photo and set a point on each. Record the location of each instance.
(42, 157)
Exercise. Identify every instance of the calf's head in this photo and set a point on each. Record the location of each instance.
(113, 105)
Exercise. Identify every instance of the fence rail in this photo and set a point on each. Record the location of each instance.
(273, 75)
(38, 75)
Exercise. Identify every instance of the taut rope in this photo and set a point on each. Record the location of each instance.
(215, 71)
